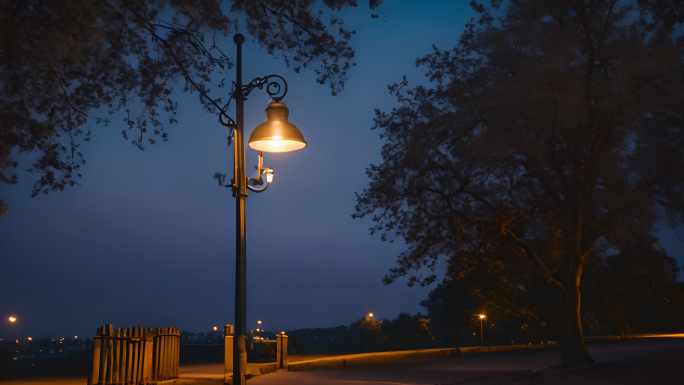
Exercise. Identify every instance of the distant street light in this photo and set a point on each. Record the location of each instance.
(276, 134)
(482, 317)
(12, 319)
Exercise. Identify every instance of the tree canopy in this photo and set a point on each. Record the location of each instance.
(66, 65)
(552, 133)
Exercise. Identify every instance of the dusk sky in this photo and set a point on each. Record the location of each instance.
(148, 238)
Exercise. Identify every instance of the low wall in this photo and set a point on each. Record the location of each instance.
(399, 356)
(371, 359)
(501, 348)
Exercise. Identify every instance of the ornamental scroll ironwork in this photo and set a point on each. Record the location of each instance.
(276, 87)
(273, 87)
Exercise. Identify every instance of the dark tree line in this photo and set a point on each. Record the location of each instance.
(635, 292)
(365, 335)
(550, 138)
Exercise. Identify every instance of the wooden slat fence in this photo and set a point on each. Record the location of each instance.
(134, 355)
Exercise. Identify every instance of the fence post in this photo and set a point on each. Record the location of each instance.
(148, 355)
(165, 355)
(134, 355)
(123, 348)
(130, 346)
(281, 347)
(95, 367)
(137, 354)
(109, 353)
(228, 354)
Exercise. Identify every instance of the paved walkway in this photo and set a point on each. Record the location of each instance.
(624, 362)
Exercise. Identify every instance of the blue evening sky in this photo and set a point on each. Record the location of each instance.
(148, 239)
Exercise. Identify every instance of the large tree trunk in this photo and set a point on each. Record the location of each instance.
(574, 350)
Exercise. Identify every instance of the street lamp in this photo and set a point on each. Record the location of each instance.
(482, 317)
(276, 134)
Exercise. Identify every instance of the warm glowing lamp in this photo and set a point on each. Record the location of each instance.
(12, 319)
(482, 316)
(276, 134)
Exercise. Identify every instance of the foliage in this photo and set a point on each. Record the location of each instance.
(68, 64)
(408, 332)
(638, 290)
(634, 291)
(552, 133)
(517, 306)
(364, 335)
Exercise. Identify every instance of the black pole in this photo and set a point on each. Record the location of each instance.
(481, 335)
(239, 343)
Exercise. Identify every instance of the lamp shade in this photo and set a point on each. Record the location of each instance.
(276, 134)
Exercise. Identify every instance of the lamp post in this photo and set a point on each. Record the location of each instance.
(482, 317)
(276, 134)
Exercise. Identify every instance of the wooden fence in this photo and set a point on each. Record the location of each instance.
(134, 355)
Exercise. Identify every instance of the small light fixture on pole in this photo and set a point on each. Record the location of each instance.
(482, 317)
(276, 134)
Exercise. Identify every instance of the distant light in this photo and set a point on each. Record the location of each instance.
(30, 338)
(370, 315)
(12, 319)
(259, 322)
(482, 316)
(215, 328)
(75, 337)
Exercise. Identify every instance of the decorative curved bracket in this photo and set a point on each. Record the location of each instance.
(276, 87)
(258, 184)
(225, 119)
(273, 87)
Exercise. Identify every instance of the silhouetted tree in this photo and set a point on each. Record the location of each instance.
(408, 332)
(67, 64)
(366, 335)
(319, 340)
(500, 287)
(550, 130)
(639, 281)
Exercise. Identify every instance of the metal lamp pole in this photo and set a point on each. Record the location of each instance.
(274, 135)
(240, 192)
(482, 317)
